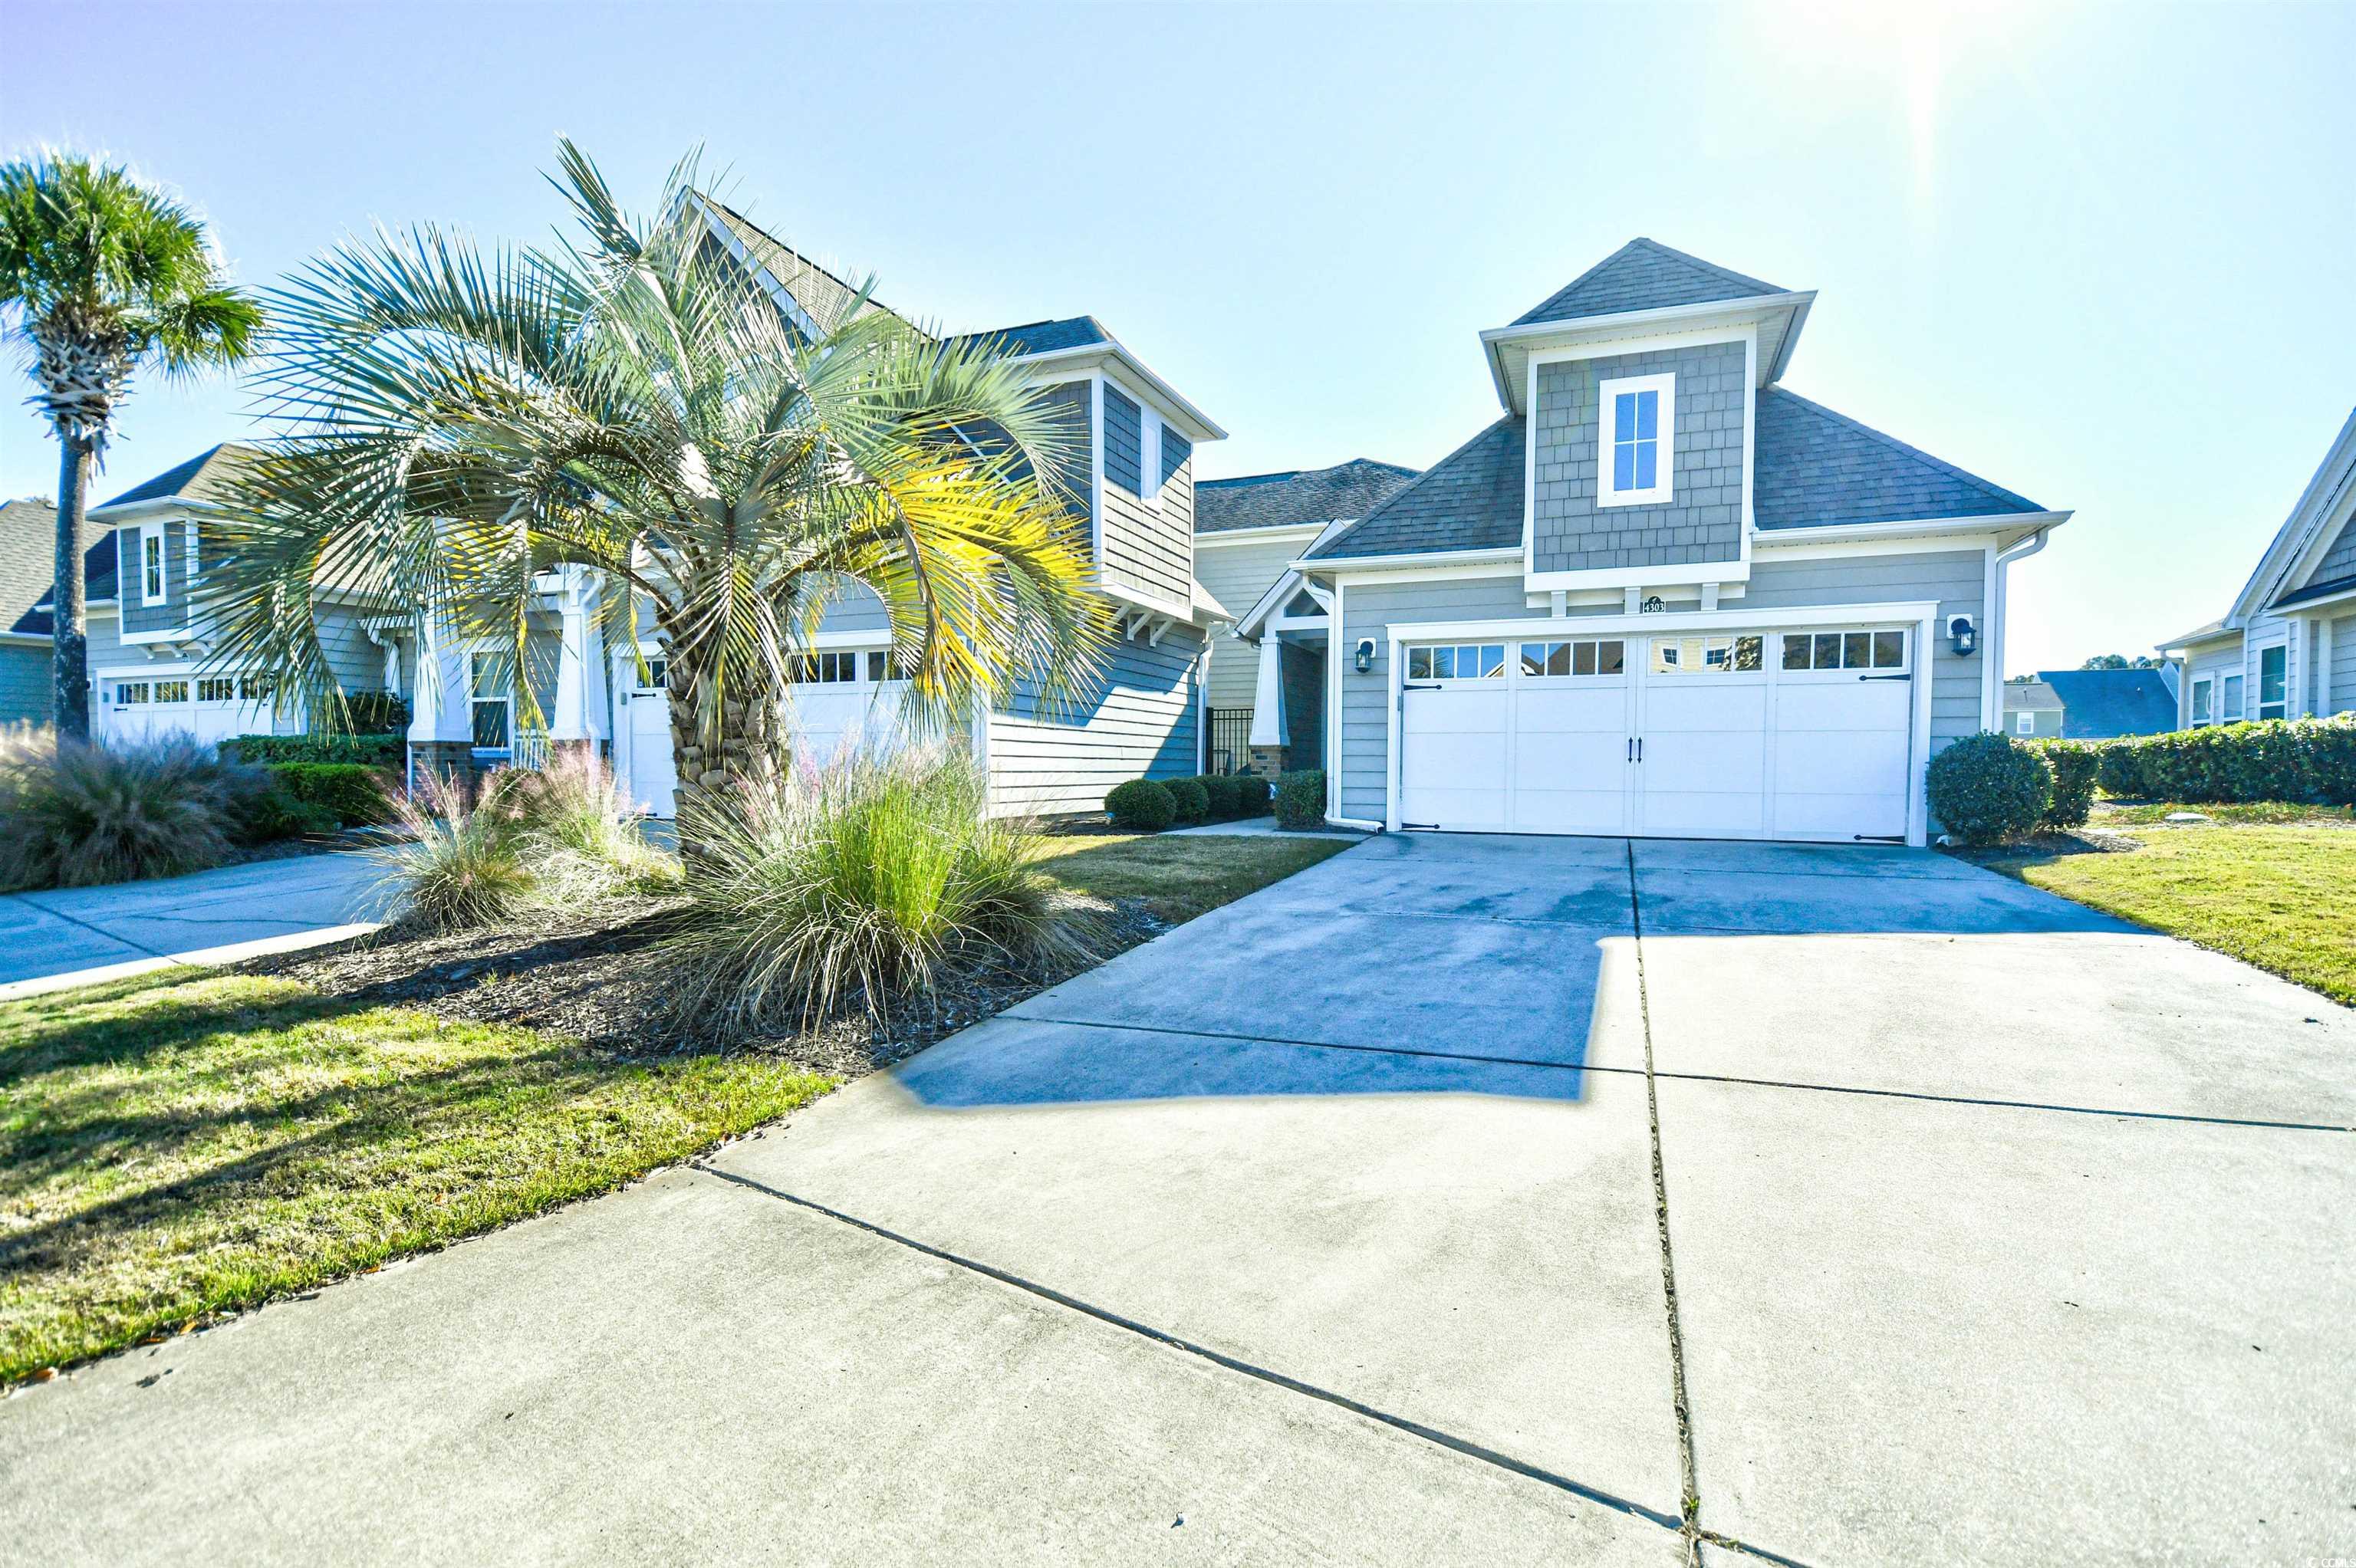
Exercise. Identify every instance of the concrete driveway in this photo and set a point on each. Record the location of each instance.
(1343, 1224)
(208, 917)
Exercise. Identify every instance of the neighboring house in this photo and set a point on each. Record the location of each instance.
(2286, 647)
(28, 546)
(1248, 533)
(1142, 719)
(2032, 710)
(1661, 594)
(2092, 704)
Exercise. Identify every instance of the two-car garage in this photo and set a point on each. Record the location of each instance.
(1804, 732)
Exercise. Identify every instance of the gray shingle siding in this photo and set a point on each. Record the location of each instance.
(1644, 274)
(1176, 453)
(1124, 441)
(1816, 466)
(1702, 521)
(1138, 721)
(1148, 546)
(172, 611)
(1471, 499)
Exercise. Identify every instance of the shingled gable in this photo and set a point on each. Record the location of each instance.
(1643, 274)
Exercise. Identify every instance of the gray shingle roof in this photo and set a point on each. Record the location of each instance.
(1045, 336)
(2097, 704)
(2031, 696)
(28, 546)
(1470, 500)
(1644, 274)
(2316, 591)
(824, 297)
(1816, 466)
(97, 583)
(1349, 489)
(204, 477)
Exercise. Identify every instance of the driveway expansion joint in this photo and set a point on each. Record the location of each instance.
(1431, 1435)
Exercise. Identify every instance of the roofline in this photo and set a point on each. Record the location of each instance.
(2028, 522)
(1407, 558)
(2194, 638)
(1620, 323)
(27, 639)
(1263, 532)
(1197, 424)
(2301, 606)
(2272, 565)
(151, 505)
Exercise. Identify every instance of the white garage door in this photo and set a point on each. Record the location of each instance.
(144, 704)
(843, 701)
(1775, 735)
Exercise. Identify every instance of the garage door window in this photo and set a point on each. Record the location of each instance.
(171, 691)
(1465, 661)
(1845, 650)
(1707, 655)
(255, 688)
(130, 693)
(823, 670)
(882, 668)
(1599, 657)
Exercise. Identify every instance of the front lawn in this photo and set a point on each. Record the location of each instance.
(194, 1143)
(2279, 894)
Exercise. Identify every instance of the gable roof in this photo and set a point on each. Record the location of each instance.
(28, 546)
(1470, 500)
(2317, 504)
(820, 294)
(2031, 696)
(97, 582)
(205, 477)
(2097, 704)
(1814, 466)
(1643, 274)
(1349, 489)
(1044, 336)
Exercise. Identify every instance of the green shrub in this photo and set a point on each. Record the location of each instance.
(1141, 805)
(865, 884)
(463, 867)
(2074, 764)
(1986, 788)
(1257, 798)
(373, 713)
(1227, 798)
(374, 751)
(355, 794)
(1300, 799)
(1191, 801)
(2303, 760)
(269, 816)
(80, 815)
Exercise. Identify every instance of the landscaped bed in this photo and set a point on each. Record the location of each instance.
(2272, 884)
(185, 1146)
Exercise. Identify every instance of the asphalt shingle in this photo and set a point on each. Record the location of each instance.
(2097, 704)
(1349, 489)
(1643, 274)
(1471, 499)
(1815, 466)
(1044, 336)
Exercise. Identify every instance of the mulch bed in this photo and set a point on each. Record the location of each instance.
(591, 974)
(2050, 845)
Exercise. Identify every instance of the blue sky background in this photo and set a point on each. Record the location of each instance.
(2106, 257)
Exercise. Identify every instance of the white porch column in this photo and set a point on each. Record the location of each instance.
(442, 709)
(2323, 708)
(1268, 728)
(580, 709)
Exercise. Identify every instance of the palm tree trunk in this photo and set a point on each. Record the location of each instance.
(68, 614)
(720, 745)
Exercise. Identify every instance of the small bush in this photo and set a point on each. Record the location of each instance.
(269, 816)
(1986, 789)
(1141, 805)
(1191, 801)
(353, 792)
(81, 816)
(2310, 761)
(2075, 765)
(376, 713)
(864, 884)
(1300, 799)
(373, 751)
(1255, 797)
(1227, 800)
(465, 865)
(580, 827)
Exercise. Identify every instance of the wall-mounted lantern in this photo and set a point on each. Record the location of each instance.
(1961, 634)
(1364, 655)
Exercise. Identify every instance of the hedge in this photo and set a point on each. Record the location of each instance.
(1988, 788)
(374, 751)
(2074, 764)
(1300, 799)
(1191, 801)
(1141, 804)
(1225, 794)
(2306, 760)
(353, 792)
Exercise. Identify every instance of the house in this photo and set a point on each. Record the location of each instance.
(1248, 533)
(1662, 593)
(148, 645)
(2032, 710)
(2286, 648)
(28, 544)
(2096, 704)
(1142, 719)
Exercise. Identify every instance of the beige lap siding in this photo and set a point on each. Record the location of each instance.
(1237, 575)
(1138, 722)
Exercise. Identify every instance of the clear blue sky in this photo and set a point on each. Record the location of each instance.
(2106, 257)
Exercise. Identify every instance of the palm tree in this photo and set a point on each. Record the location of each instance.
(104, 276)
(460, 421)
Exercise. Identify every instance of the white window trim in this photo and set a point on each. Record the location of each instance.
(154, 532)
(2226, 690)
(2204, 688)
(2025, 722)
(515, 674)
(2258, 704)
(1607, 493)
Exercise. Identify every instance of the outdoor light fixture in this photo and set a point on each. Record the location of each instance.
(1365, 654)
(1960, 633)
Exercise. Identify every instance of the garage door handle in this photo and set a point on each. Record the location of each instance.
(1635, 749)
(1898, 677)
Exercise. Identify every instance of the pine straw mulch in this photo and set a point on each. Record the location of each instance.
(590, 973)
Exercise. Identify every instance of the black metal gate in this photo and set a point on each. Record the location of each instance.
(1226, 745)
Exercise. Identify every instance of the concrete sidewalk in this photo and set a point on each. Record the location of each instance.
(82, 936)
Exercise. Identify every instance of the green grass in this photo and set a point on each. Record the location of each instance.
(2122, 814)
(2283, 897)
(1179, 878)
(176, 1146)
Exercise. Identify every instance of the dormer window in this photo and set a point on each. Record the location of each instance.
(151, 566)
(1636, 441)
